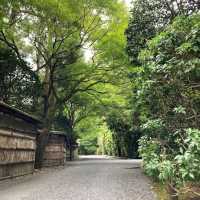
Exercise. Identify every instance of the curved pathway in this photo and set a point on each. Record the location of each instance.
(90, 178)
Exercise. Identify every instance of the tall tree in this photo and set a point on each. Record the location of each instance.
(149, 17)
(167, 100)
(51, 35)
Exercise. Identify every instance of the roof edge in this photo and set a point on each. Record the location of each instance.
(18, 113)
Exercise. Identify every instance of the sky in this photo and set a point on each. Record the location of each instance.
(127, 2)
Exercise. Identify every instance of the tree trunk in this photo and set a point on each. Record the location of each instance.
(42, 140)
(43, 136)
(71, 154)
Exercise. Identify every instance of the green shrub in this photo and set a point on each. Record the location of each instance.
(180, 169)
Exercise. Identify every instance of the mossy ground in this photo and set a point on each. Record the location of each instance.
(161, 191)
(163, 194)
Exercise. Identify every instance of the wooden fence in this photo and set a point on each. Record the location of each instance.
(55, 151)
(17, 142)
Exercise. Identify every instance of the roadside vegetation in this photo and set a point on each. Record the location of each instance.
(166, 95)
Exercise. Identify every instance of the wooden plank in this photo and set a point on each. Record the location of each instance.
(53, 148)
(14, 170)
(21, 169)
(9, 121)
(54, 155)
(15, 133)
(15, 163)
(18, 149)
(55, 151)
(16, 156)
(16, 143)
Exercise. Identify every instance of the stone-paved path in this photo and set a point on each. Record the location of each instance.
(91, 178)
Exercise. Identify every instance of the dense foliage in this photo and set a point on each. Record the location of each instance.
(19, 85)
(167, 96)
(148, 17)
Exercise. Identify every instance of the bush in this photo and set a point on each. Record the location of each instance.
(188, 161)
(177, 170)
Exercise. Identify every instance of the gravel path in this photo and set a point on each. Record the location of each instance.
(91, 178)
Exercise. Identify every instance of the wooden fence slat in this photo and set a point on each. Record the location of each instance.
(16, 143)
(55, 151)
(17, 154)
(15, 133)
(14, 156)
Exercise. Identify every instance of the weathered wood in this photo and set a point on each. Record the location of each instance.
(55, 152)
(14, 170)
(16, 141)
(54, 155)
(54, 148)
(16, 156)
(11, 122)
(17, 162)
(18, 132)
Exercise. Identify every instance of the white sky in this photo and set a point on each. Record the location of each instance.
(128, 2)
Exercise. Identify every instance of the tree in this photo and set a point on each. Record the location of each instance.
(169, 89)
(52, 33)
(19, 86)
(150, 17)
(162, 40)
